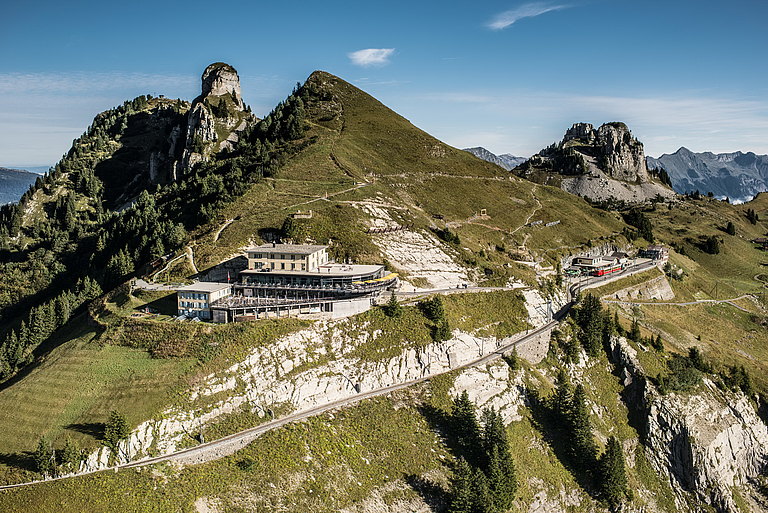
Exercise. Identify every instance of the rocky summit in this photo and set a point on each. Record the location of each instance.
(215, 118)
(598, 164)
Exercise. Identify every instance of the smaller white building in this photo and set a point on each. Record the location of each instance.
(195, 300)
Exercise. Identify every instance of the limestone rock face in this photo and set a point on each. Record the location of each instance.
(583, 131)
(622, 155)
(599, 164)
(214, 118)
(220, 79)
(707, 442)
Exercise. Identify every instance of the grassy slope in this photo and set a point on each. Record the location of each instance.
(360, 140)
(389, 447)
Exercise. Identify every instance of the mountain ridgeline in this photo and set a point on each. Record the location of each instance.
(738, 176)
(505, 160)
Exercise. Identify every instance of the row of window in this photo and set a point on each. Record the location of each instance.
(276, 256)
(190, 304)
(262, 265)
(192, 295)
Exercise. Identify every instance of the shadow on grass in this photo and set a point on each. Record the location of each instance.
(433, 494)
(94, 429)
(545, 421)
(20, 460)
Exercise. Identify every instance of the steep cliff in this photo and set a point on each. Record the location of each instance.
(599, 164)
(215, 118)
(709, 443)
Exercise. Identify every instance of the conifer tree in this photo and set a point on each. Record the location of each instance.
(392, 308)
(115, 430)
(502, 477)
(70, 456)
(461, 493)
(730, 229)
(43, 457)
(582, 448)
(563, 398)
(613, 477)
(466, 427)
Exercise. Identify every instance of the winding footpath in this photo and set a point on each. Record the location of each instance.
(228, 445)
(687, 303)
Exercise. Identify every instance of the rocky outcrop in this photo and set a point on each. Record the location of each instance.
(707, 442)
(215, 118)
(599, 164)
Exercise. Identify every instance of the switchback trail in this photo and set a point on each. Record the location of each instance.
(687, 303)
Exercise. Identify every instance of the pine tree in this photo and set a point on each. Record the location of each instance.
(712, 245)
(70, 456)
(613, 477)
(466, 427)
(582, 448)
(392, 308)
(461, 492)
(563, 398)
(115, 430)
(482, 500)
(730, 229)
(502, 478)
(634, 331)
(43, 457)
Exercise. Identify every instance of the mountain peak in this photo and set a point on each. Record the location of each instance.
(219, 79)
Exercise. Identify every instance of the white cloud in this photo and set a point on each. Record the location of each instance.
(371, 56)
(507, 18)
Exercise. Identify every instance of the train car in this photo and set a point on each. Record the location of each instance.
(607, 270)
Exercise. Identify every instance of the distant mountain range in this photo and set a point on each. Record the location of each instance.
(738, 176)
(14, 183)
(506, 160)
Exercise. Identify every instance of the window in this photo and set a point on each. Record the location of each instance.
(303, 267)
(293, 266)
(282, 266)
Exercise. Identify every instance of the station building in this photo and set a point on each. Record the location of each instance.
(290, 279)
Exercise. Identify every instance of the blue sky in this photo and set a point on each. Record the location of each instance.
(510, 76)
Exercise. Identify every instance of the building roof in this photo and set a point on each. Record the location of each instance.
(204, 286)
(291, 249)
(329, 270)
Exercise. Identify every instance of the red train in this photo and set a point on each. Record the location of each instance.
(607, 270)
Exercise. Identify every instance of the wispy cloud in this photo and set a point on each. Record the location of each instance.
(699, 120)
(371, 56)
(507, 18)
(80, 82)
